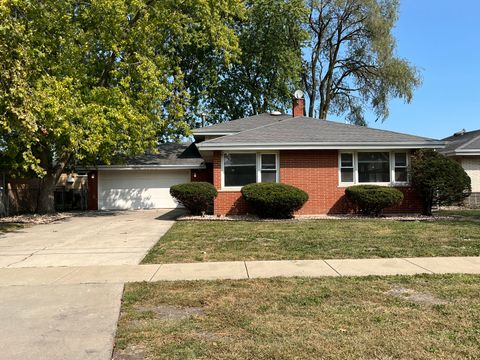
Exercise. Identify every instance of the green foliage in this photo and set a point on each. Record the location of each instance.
(267, 71)
(352, 63)
(197, 197)
(438, 179)
(272, 200)
(372, 199)
(93, 80)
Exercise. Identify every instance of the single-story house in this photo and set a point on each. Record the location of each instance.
(321, 157)
(464, 146)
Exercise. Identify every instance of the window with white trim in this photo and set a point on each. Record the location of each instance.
(373, 167)
(401, 167)
(240, 169)
(346, 168)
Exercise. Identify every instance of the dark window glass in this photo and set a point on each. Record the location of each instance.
(373, 167)
(240, 169)
(268, 168)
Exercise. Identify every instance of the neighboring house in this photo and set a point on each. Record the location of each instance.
(318, 156)
(464, 146)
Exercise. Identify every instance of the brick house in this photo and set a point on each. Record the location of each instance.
(318, 156)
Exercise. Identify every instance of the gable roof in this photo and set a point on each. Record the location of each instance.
(310, 133)
(463, 143)
(235, 126)
(168, 156)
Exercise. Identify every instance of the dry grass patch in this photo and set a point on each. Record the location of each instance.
(189, 241)
(332, 318)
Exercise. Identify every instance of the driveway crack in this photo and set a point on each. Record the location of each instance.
(26, 257)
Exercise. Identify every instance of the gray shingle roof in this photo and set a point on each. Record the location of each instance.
(243, 124)
(183, 155)
(305, 130)
(464, 141)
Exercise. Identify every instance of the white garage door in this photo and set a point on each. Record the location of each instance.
(138, 189)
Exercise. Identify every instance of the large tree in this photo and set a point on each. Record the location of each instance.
(94, 79)
(350, 62)
(267, 71)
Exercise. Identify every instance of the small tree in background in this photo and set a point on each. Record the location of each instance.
(438, 179)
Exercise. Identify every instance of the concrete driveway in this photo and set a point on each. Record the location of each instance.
(71, 321)
(96, 238)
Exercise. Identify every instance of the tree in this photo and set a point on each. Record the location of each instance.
(89, 81)
(438, 179)
(351, 62)
(267, 71)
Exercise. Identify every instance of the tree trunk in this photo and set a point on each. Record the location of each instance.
(46, 200)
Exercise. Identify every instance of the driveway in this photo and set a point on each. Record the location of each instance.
(70, 321)
(96, 238)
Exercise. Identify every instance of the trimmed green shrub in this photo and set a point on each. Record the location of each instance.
(438, 179)
(197, 197)
(275, 201)
(372, 199)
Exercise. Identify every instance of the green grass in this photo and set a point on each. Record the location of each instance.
(437, 317)
(190, 241)
(8, 227)
(469, 214)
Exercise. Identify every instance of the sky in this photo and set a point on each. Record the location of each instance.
(442, 39)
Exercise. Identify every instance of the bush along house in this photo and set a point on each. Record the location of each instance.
(321, 157)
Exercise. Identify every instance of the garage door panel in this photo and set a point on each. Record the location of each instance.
(139, 189)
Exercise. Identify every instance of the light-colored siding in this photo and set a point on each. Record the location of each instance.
(471, 164)
(138, 189)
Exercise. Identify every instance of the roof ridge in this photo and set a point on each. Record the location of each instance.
(469, 141)
(244, 131)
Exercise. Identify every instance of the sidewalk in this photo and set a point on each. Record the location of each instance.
(117, 274)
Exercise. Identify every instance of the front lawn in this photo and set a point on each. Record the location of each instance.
(462, 213)
(421, 317)
(189, 241)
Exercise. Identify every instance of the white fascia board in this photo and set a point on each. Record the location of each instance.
(472, 152)
(145, 167)
(324, 146)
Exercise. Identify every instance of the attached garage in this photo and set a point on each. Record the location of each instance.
(138, 189)
(143, 182)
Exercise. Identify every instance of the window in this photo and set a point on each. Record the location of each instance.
(387, 167)
(346, 168)
(239, 169)
(373, 167)
(401, 167)
(268, 168)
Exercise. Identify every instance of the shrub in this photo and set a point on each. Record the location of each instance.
(197, 197)
(272, 200)
(438, 179)
(372, 199)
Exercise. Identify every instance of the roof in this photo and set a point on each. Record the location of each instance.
(310, 133)
(168, 156)
(463, 143)
(235, 126)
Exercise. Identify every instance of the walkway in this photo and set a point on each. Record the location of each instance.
(119, 274)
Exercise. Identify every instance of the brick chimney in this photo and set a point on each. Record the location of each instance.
(298, 104)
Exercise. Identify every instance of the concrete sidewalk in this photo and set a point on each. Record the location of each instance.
(118, 274)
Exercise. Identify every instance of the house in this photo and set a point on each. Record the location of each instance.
(464, 146)
(321, 157)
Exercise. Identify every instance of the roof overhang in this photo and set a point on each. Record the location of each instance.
(213, 133)
(473, 152)
(323, 146)
(144, 167)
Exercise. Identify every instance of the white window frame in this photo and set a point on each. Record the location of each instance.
(355, 168)
(258, 167)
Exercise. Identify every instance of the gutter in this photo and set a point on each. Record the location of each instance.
(325, 146)
(144, 167)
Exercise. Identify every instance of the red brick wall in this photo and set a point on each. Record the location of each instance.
(314, 171)
(202, 174)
